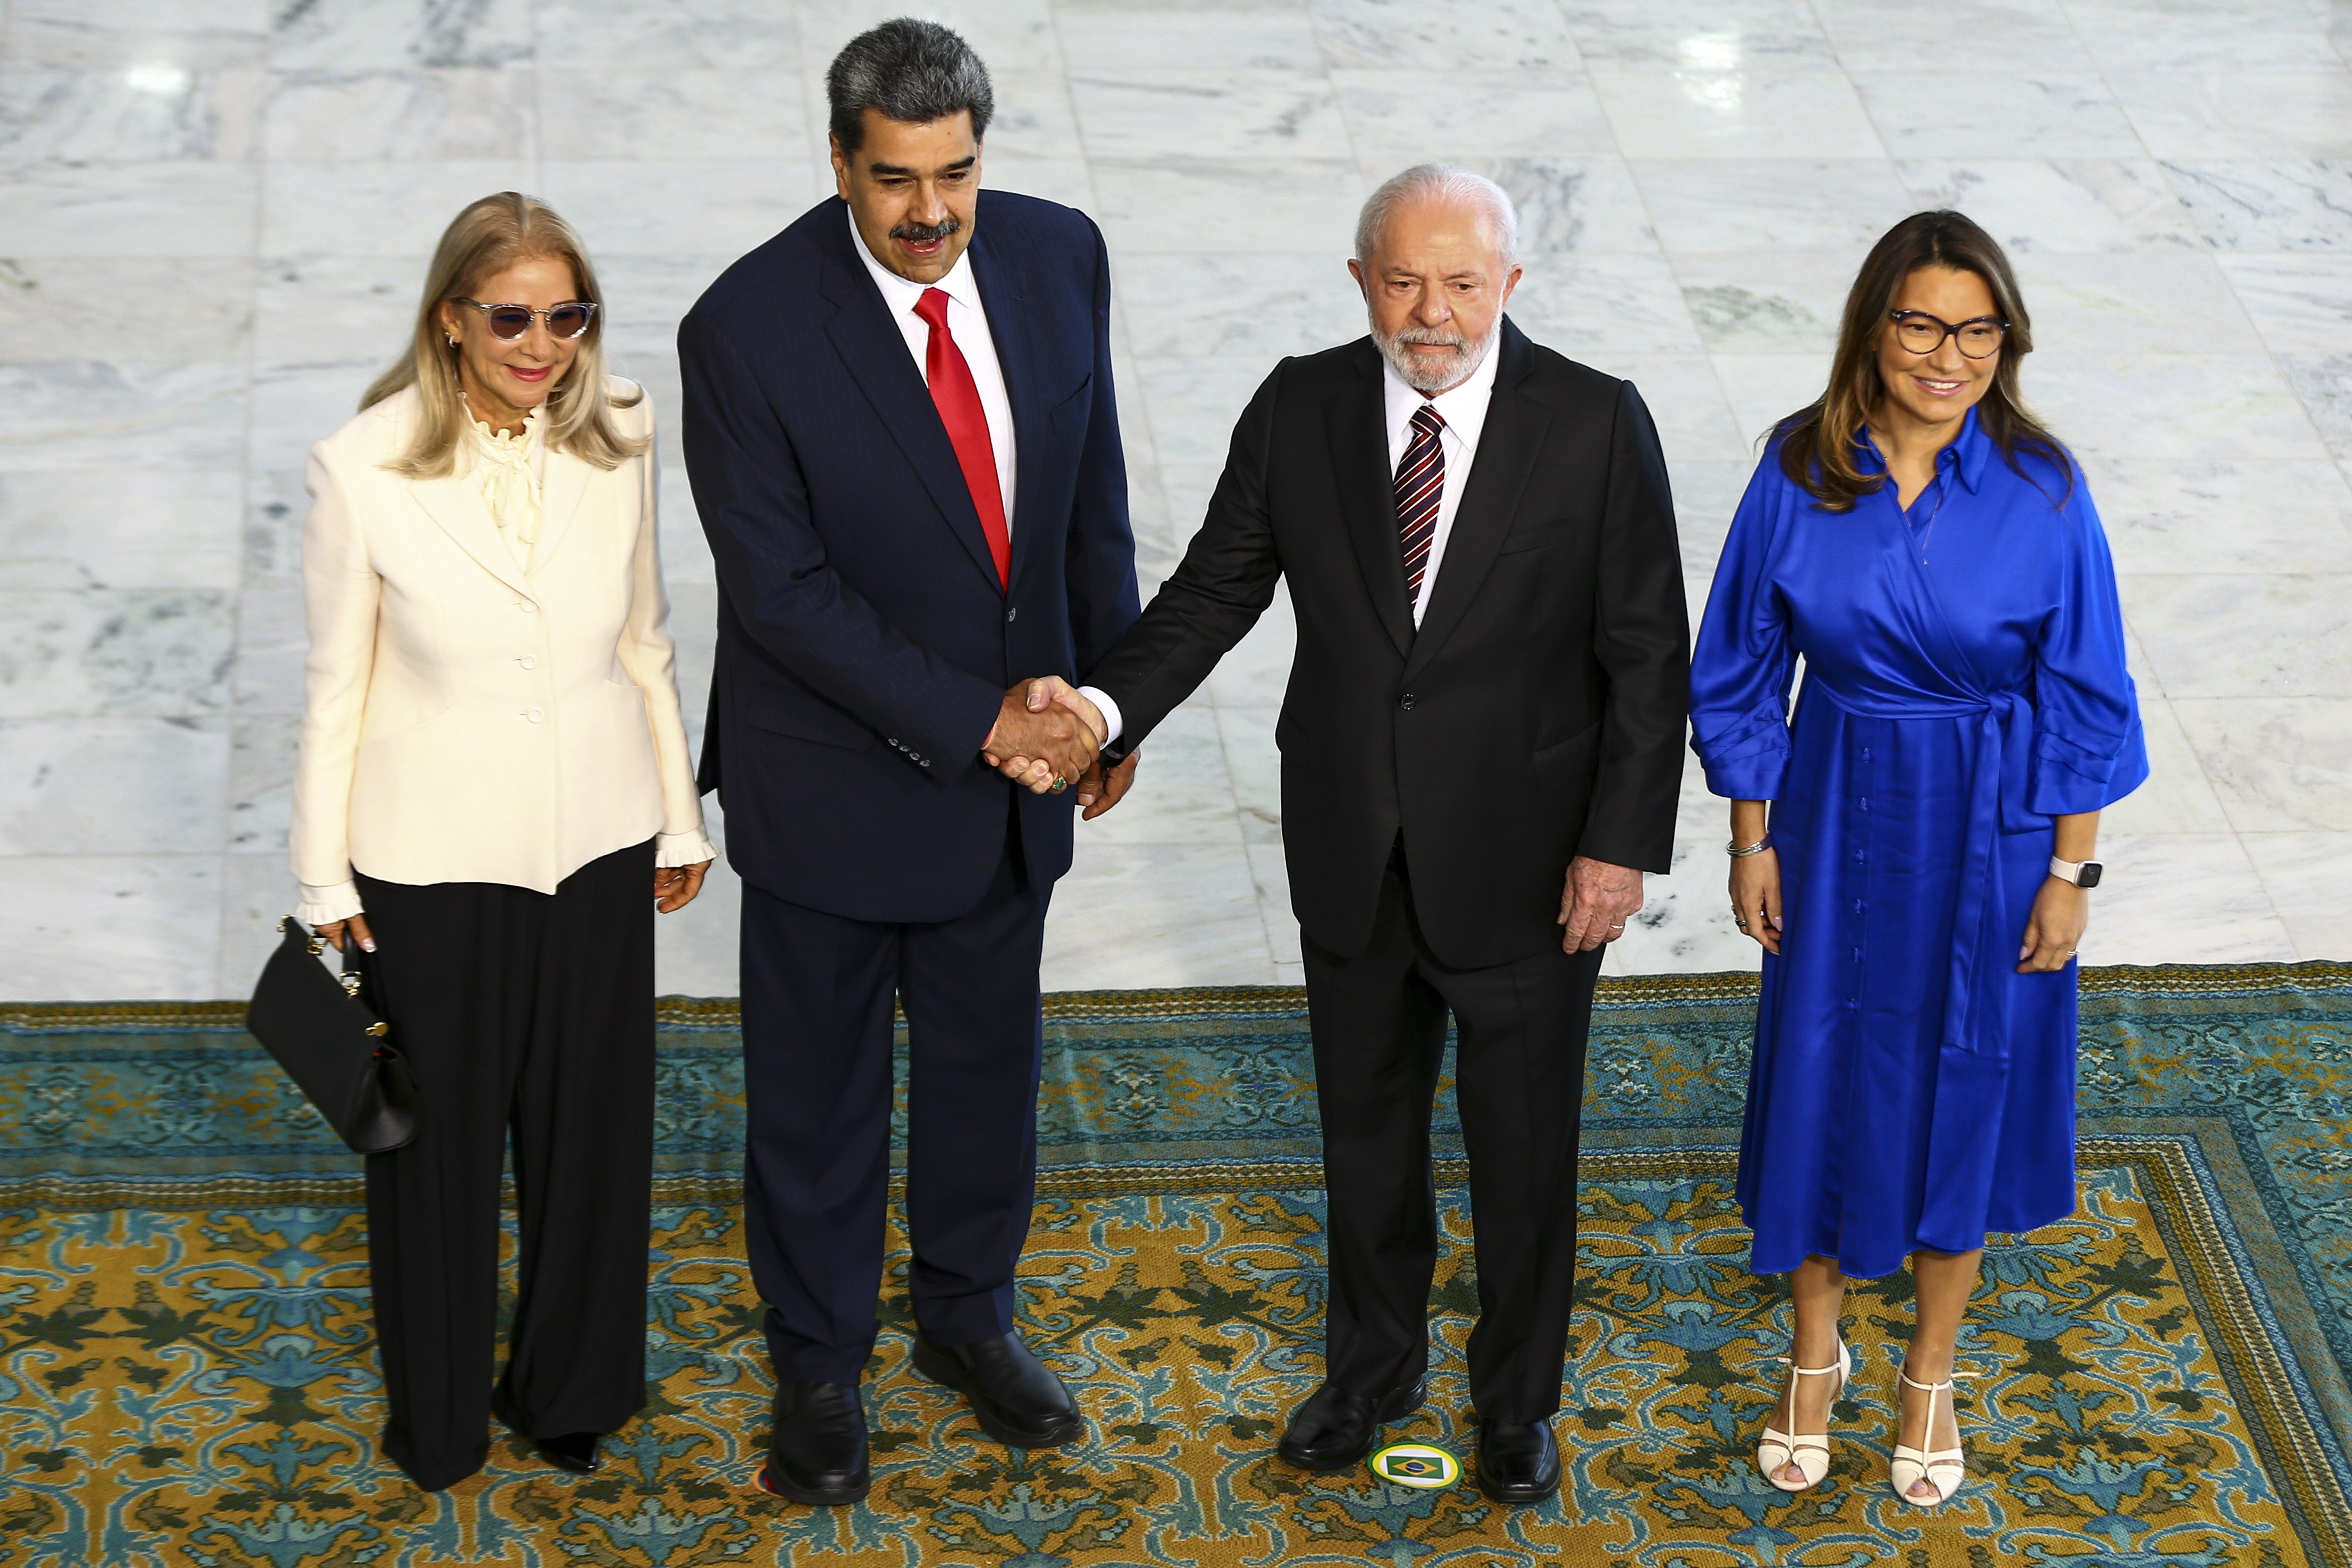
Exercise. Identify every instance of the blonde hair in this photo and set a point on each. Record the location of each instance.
(489, 237)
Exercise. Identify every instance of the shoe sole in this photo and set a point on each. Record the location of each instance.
(1060, 1436)
(1516, 1499)
(1398, 1404)
(770, 1485)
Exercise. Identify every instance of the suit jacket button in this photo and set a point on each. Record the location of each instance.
(535, 715)
(1405, 702)
(1012, 615)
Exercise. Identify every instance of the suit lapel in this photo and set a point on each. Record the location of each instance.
(1004, 294)
(454, 504)
(872, 348)
(1508, 444)
(560, 493)
(1367, 489)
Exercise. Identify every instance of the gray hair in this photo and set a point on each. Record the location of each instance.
(1442, 182)
(908, 70)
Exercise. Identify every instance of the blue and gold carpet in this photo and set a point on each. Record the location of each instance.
(186, 1376)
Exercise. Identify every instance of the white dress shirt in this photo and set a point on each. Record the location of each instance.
(1464, 409)
(968, 324)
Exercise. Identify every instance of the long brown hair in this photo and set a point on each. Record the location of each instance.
(1817, 442)
(489, 237)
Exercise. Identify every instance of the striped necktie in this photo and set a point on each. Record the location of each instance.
(1420, 485)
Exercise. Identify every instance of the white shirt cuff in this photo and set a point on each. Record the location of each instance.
(1101, 699)
(672, 850)
(324, 906)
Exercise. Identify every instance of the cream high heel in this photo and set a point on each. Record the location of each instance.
(1809, 1451)
(1943, 1468)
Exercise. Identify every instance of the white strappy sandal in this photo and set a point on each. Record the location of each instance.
(1943, 1468)
(1809, 1452)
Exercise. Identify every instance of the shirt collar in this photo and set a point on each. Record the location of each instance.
(1965, 456)
(1463, 408)
(900, 293)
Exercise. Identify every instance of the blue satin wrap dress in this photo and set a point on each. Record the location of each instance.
(1964, 682)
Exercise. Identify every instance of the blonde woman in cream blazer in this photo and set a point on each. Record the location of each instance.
(493, 797)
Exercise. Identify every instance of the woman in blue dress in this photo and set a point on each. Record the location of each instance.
(1932, 554)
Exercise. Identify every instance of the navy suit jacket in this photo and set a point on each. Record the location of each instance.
(864, 640)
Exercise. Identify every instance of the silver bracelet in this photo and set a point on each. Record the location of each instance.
(1736, 853)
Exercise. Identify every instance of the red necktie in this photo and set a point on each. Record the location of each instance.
(1420, 485)
(958, 400)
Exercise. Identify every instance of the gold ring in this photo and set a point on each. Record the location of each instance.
(1060, 784)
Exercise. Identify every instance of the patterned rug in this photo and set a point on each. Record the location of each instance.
(186, 1376)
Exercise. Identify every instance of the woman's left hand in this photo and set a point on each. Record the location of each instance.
(675, 886)
(2061, 913)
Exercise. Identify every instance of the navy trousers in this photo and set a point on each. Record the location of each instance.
(817, 994)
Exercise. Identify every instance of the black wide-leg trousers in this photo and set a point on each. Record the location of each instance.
(1379, 1023)
(526, 1014)
(817, 994)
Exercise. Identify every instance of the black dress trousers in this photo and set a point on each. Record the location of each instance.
(817, 992)
(526, 1013)
(1379, 1023)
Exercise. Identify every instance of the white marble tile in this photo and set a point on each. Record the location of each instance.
(2175, 302)
(1034, 119)
(2177, 797)
(378, 35)
(2324, 385)
(1685, 924)
(1764, 389)
(1260, 307)
(101, 928)
(1242, 39)
(260, 783)
(669, 35)
(1761, 113)
(131, 307)
(317, 116)
(270, 543)
(2182, 897)
(1400, 118)
(2267, 205)
(1271, 874)
(1777, 302)
(696, 949)
(1008, 34)
(2241, 637)
(2039, 205)
(1193, 206)
(120, 528)
(1762, 203)
(2165, 516)
(297, 403)
(356, 308)
(1187, 486)
(1255, 765)
(2194, 35)
(272, 641)
(1873, 35)
(709, 208)
(1698, 35)
(1686, 400)
(2170, 406)
(1194, 400)
(685, 552)
(1257, 672)
(1461, 34)
(2240, 115)
(1597, 307)
(121, 413)
(253, 893)
(377, 207)
(1182, 794)
(1153, 915)
(2305, 875)
(2302, 304)
(102, 34)
(1069, 180)
(1140, 113)
(1573, 203)
(189, 208)
(111, 786)
(152, 111)
(2040, 113)
(677, 113)
(2278, 764)
(115, 653)
(1706, 494)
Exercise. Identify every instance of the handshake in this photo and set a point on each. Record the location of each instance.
(1049, 736)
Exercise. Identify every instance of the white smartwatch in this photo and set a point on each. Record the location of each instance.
(2082, 873)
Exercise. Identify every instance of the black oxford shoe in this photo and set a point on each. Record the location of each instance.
(1019, 1401)
(1519, 1462)
(575, 1451)
(1333, 1429)
(816, 1454)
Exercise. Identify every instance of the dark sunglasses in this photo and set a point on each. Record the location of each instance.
(567, 320)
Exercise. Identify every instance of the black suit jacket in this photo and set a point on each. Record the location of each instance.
(864, 640)
(1536, 714)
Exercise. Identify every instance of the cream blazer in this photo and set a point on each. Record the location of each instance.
(467, 720)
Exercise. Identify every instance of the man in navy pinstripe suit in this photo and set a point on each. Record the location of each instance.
(905, 451)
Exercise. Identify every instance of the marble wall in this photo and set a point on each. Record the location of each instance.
(213, 219)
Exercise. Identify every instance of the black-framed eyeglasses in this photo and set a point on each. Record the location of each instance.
(567, 320)
(1920, 333)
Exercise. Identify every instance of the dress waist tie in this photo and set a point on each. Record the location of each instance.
(1972, 1063)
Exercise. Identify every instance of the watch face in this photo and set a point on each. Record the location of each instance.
(2089, 876)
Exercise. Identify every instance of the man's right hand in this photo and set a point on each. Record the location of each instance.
(1041, 741)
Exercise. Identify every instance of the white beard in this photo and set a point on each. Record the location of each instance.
(1425, 376)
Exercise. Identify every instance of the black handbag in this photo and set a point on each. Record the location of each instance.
(335, 1046)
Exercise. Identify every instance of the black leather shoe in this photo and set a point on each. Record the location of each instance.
(575, 1451)
(1333, 1429)
(1519, 1462)
(1020, 1403)
(816, 1454)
